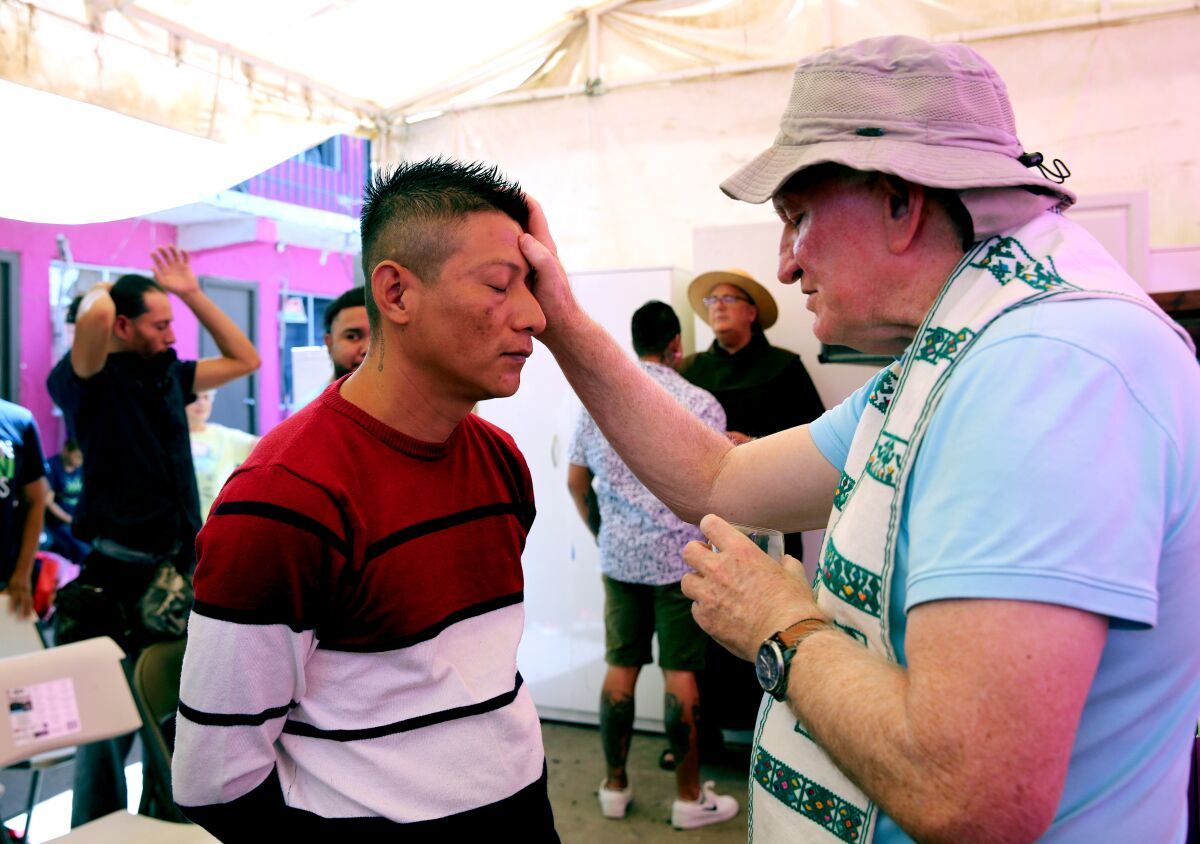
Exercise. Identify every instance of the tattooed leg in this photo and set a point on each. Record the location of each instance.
(682, 715)
(616, 721)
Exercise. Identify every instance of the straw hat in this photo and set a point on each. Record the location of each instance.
(703, 284)
(934, 114)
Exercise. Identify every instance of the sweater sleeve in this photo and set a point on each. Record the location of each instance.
(267, 560)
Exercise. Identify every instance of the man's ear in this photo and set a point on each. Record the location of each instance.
(328, 342)
(673, 354)
(122, 328)
(396, 290)
(903, 205)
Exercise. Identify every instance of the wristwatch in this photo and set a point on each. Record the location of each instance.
(775, 655)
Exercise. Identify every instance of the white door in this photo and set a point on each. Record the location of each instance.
(562, 652)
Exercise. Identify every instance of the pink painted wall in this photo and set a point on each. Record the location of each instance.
(127, 244)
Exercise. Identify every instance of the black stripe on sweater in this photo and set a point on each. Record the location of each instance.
(430, 632)
(502, 508)
(278, 513)
(233, 719)
(255, 616)
(298, 728)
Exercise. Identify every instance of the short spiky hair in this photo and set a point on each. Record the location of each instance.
(408, 212)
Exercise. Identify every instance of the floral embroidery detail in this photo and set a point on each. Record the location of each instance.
(940, 344)
(1007, 260)
(884, 388)
(851, 583)
(812, 800)
(842, 493)
(887, 458)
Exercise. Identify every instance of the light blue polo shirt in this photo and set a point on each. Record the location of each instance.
(1063, 466)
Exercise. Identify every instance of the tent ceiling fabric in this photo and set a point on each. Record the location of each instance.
(273, 77)
(231, 70)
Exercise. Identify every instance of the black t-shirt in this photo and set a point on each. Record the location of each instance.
(21, 463)
(763, 389)
(139, 488)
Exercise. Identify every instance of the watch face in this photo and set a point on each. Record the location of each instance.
(768, 665)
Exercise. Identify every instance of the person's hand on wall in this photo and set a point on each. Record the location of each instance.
(173, 270)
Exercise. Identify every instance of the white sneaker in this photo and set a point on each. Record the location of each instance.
(614, 801)
(710, 808)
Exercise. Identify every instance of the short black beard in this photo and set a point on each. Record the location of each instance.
(339, 370)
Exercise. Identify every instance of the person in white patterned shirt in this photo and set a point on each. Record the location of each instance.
(640, 543)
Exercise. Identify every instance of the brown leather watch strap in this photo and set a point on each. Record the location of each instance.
(790, 637)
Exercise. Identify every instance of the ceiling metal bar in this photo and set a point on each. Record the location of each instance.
(130, 10)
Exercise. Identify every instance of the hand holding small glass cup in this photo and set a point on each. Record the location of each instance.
(768, 540)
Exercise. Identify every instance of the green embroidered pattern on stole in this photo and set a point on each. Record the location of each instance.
(887, 458)
(1007, 260)
(844, 488)
(883, 390)
(942, 344)
(809, 798)
(853, 584)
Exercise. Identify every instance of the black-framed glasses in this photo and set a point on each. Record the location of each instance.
(727, 299)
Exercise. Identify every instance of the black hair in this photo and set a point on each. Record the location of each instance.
(654, 326)
(408, 210)
(73, 310)
(129, 294)
(352, 298)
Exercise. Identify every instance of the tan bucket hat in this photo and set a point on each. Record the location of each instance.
(934, 114)
(702, 284)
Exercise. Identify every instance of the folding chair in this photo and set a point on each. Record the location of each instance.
(156, 689)
(75, 694)
(23, 636)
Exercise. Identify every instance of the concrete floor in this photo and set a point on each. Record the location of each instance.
(576, 765)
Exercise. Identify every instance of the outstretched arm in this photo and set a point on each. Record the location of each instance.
(172, 269)
(781, 481)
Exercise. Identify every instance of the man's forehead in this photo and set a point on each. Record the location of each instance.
(728, 286)
(351, 316)
(158, 305)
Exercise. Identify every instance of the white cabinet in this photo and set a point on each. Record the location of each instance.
(562, 652)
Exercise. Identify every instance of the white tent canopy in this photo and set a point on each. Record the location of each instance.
(230, 87)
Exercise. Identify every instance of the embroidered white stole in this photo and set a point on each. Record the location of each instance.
(797, 794)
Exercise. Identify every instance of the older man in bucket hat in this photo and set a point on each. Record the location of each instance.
(1001, 642)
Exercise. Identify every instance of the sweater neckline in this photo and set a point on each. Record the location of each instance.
(333, 399)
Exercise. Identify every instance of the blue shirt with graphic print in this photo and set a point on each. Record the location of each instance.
(21, 463)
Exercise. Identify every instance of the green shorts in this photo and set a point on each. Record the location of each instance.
(634, 612)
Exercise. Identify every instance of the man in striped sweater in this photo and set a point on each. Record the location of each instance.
(351, 663)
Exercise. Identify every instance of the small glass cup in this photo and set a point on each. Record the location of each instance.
(768, 540)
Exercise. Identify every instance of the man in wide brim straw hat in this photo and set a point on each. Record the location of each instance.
(760, 298)
(1000, 644)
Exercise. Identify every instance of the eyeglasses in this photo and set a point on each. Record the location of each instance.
(727, 299)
